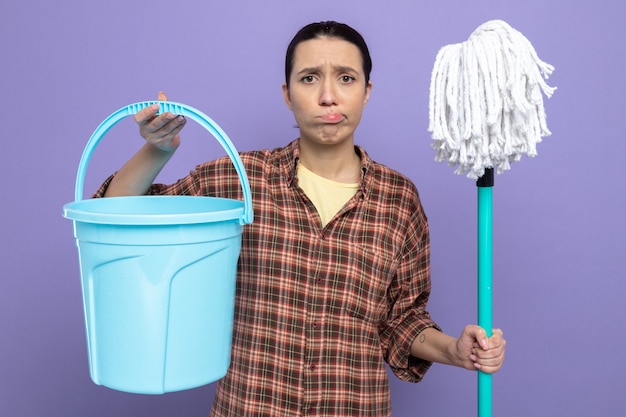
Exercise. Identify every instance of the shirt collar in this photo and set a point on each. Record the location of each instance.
(291, 156)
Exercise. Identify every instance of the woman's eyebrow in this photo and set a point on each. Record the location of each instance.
(343, 68)
(318, 69)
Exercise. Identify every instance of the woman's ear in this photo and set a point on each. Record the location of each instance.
(368, 90)
(286, 96)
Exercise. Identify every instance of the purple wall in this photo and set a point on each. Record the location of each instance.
(559, 228)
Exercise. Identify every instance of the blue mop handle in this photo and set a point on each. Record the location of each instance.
(485, 187)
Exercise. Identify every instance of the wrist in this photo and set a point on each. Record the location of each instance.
(454, 354)
(157, 153)
(162, 149)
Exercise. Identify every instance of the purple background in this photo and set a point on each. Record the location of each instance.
(559, 228)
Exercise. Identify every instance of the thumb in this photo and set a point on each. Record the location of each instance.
(162, 96)
(479, 335)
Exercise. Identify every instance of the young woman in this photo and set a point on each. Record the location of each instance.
(334, 273)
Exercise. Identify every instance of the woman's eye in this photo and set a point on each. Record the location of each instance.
(347, 78)
(307, 79)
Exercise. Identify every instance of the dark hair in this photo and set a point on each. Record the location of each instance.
(334, 30)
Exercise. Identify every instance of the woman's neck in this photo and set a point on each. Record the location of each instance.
(338, 162)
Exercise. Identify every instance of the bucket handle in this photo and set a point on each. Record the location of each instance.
(178, 109)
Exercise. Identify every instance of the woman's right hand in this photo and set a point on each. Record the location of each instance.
(160, 131)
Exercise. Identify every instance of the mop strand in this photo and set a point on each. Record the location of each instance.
(485, 107)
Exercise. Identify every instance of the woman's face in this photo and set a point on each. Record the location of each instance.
(327, 90)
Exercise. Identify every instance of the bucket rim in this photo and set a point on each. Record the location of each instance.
(78, 211)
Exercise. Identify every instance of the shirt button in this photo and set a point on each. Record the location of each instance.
(311, 411)
(315, 324)
(313, 367)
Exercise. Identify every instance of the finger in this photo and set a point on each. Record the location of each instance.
(146, 115)
(487, 343)
(164, 120)
(481, 338)
(475, 334)
(166, 125)
(488, 369)
(497, 339)
(163, 124)
(488, 364)
(487, 355)
(174, 126)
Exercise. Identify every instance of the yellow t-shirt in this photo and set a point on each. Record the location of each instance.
(327, 196)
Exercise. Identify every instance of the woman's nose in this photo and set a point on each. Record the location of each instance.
(328, 96)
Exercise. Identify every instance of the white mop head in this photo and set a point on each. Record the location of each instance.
(486, 107)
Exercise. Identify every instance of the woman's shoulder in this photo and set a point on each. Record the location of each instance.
(387, 178)
(249, 159)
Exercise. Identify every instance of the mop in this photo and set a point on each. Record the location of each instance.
(485, 112)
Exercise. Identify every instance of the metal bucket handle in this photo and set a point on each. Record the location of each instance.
(178, 109)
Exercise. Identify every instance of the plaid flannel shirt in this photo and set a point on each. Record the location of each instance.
(318, 310)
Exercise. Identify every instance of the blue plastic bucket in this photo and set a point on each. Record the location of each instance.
(158, 276)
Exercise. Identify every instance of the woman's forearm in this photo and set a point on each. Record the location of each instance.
(136, 176)
(435, 346)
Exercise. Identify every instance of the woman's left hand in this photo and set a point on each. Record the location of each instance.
(477, 351)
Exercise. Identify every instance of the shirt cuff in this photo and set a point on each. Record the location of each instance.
(402, 363)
